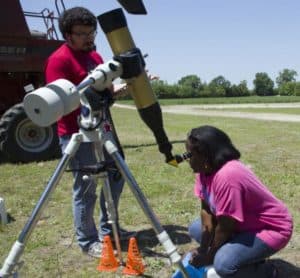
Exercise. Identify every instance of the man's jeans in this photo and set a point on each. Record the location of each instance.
(242, 257)
(84, 196)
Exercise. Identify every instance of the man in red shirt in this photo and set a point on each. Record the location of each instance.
(73, 61)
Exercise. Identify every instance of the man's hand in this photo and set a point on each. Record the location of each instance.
(119, 90)
(152, 76)
(119, 87)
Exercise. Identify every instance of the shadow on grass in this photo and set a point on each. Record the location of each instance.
(147, 240)
(286, 269)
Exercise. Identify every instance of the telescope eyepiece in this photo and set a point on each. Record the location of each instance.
(182, 157)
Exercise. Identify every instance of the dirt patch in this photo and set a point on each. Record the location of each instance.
(201, 110)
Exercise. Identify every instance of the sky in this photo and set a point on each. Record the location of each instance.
(233, 38)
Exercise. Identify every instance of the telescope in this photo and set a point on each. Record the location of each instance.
(46, 105)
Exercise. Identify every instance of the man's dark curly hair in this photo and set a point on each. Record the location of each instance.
(75, 16)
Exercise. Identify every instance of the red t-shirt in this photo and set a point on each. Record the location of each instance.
(74, 66)
(235, 191)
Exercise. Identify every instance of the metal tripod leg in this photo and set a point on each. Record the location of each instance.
(162, 235)
(17, 249)
(112, 216)
(109, 202)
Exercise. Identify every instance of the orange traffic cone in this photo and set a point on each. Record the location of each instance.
(134, 264)
(107, 262)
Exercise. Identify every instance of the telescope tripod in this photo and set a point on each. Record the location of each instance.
(101, 132)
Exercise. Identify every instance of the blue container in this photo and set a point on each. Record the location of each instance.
(191, 270)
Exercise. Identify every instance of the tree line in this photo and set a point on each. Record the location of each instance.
(191, 86)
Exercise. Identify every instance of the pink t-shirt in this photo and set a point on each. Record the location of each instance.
(236, 192)
(73, 66)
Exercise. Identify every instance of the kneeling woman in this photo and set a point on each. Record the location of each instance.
(242, 222)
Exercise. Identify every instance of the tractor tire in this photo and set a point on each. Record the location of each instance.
(23, 141)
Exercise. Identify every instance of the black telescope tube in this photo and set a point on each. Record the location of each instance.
(112, 20)
(114, 25)
(152, 116)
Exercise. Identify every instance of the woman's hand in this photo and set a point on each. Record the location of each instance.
(224, 230)
(199, 258)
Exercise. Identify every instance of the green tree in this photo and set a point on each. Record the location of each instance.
(220, 81)
(205, 92)
(161, 89)
(297, 89)
(287, 88)
(287, 75)
(263, 84)
(240, 90)
(191, 81)
(243, 88)
(186, 92)
(219, 86)
(189, 86)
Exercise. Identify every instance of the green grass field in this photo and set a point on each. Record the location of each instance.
(227, 100)
(270, 148)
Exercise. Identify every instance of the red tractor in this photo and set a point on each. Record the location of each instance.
(22, 58)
